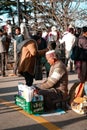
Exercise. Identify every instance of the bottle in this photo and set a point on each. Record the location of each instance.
(41, 97)
(34, 99)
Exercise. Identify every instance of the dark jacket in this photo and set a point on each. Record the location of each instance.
(81, 66)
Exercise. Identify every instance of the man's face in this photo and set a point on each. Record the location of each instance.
(17, 31)
(50, 60)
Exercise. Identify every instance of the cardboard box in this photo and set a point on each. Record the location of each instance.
(33, 107)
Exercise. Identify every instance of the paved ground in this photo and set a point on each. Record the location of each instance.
(13, 118)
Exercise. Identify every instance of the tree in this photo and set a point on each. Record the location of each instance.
(0, 20)
(60, 12)
(8, 7)
(46, 13)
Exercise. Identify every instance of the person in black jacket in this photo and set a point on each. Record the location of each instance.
(81, 64)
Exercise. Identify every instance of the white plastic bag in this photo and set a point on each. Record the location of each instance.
(27, 92)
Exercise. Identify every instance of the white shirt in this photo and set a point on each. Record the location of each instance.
(24, 30)
(69, 40)
(9, 29)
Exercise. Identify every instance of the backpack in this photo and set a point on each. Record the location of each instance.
(72, 92)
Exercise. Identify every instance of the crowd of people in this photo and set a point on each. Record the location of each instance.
(38, 50)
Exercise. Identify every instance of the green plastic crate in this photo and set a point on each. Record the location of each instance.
(30, 107)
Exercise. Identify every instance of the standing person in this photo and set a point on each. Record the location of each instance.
(81, 66)
(7, 44)
(28, 56)
(41, 60)
(18, 36)
(2, 51)
(53, 35)
(24, 30)
(8, 28)
(8, 33)
(27, 61)
(77, 32)
(18, 40)
(56, 85)
(69, 40)
(42, 44)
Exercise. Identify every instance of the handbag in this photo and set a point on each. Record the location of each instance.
(76, 91)
(78, 101)
(79, 105)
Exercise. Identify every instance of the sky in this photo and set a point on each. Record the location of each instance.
(4, 17)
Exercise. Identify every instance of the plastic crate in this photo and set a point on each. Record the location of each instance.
(33, 107)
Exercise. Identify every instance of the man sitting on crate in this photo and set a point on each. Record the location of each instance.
(55, 88)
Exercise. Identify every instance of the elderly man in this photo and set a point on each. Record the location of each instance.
(55, 87)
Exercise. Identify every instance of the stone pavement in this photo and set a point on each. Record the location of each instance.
(13, 118)
(72, 77)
